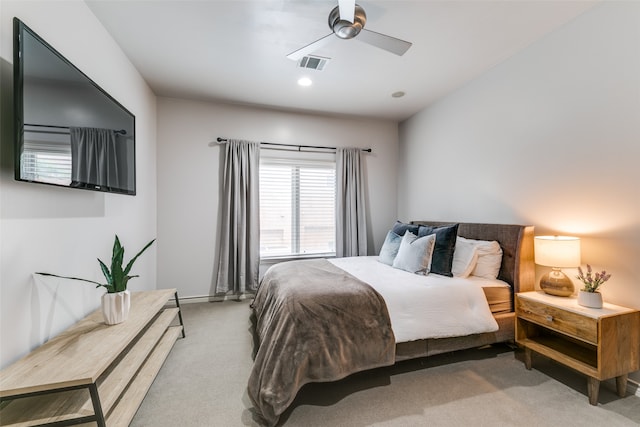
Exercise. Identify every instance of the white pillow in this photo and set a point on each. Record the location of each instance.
(465, 258)
(489, 258)
(390, 248)
(415, 253)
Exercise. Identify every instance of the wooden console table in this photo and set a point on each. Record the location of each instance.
(93, 372)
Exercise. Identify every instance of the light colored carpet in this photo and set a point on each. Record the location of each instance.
(204, 379)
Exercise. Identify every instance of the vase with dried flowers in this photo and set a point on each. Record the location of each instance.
(589, 296)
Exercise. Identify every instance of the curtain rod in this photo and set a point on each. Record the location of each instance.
(223, 140)
(121, 131)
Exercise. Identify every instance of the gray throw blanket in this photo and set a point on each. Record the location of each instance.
(315, 322)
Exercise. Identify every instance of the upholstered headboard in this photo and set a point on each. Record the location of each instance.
(517, 267)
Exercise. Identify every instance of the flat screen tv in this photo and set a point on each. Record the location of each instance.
(69, 132)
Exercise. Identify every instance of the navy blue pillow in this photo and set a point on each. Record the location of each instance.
(400, 228)
(445, 245)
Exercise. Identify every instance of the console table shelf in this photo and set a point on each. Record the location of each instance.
(93, 372)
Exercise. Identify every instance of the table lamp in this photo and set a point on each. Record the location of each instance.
(557, 252)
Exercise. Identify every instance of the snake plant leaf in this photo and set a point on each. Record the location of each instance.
(116, 259)
(106, 272)
(116, 270)
(107, 275)
(116, 248)
(72, 278)
(130, 264)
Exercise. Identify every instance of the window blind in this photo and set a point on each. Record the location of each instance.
(46, 161)
(297, 207)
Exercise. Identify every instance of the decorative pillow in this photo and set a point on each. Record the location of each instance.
(444, 249)
(465, 258)
(390, 248)
(400, 228)
(415, 253)
(489, 258)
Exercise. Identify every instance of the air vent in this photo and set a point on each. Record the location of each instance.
(313, 62)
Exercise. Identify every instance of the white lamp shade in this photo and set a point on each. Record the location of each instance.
(557, 251)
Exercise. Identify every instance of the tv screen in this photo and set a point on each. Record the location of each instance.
(69, 132)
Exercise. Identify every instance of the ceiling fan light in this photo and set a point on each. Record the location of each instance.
(345, 29)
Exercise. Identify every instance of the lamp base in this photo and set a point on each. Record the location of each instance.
(557, 283)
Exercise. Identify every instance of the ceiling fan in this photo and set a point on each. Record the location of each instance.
(347, 21)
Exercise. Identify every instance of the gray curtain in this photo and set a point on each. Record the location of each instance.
(240, 219)
(351, 222)
(94, 158)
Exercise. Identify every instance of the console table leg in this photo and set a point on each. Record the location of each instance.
(593, 388)
(97, 407)
(621, 385)
(527, 358)
(180, 314)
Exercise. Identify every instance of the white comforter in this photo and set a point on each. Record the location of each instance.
(421, 307)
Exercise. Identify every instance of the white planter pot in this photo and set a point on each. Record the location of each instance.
(590, 299)
(115, 307)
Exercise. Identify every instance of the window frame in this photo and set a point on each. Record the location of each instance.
(298, 159)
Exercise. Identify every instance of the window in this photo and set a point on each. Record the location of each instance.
(297, 207)
(46, 161)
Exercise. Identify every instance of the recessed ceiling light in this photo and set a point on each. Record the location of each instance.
(305, 81)
(398, 94)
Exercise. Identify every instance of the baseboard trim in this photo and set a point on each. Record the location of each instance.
(190, 300)
(214, 298)
(633, 387)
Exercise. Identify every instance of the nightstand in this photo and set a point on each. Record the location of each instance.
(600, 343)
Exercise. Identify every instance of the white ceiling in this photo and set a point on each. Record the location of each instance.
(235, 50)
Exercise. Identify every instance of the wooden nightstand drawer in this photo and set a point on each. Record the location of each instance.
(572, 324)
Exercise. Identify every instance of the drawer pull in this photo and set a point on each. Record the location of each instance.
(549, 318)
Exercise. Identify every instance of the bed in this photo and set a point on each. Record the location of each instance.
(322, 320)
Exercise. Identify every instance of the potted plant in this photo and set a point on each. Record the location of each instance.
(117, 300)
(589, 296)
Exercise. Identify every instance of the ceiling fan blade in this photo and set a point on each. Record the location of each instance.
(297, 54)
(382, 41)
(347, 9)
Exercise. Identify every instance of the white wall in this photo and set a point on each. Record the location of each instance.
(189, 172)
(550, 137)
(62, 230)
